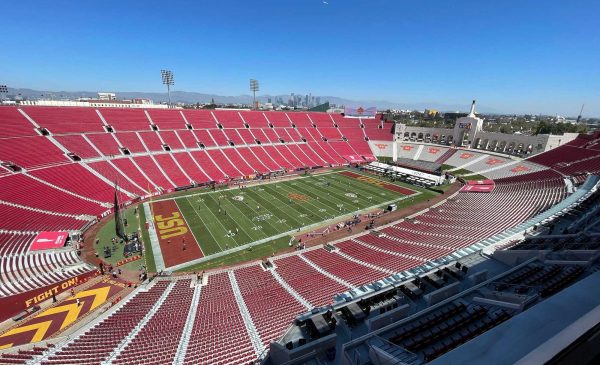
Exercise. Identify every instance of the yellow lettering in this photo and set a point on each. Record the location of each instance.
(370, 180)
(175, 232)
(170, 224)
(160, 218)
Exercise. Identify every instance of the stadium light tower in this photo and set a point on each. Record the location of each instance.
(167, 79)
(3, 90)
(254, 88)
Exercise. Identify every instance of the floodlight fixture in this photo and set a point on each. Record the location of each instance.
(254, 88)
(168, 80)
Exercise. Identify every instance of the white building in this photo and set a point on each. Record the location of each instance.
(107, 96)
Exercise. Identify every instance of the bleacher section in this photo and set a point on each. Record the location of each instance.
(218, 334)
(14, 124)
(239, 311)
(28, 219)
(310, 284)
(377, 130)
(423, 317)
(31, 152)
(260, 290)
(100, 341)
(158, 340)
(432, 153)
(22, 273)
(65, 120)
(84, 132)
(232, 315)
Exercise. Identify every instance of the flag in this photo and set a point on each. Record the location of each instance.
(119, 229)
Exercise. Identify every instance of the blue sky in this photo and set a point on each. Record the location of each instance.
(513, 56)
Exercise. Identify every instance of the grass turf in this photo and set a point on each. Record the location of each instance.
(253, 253)
(263, 211)
(107, 232)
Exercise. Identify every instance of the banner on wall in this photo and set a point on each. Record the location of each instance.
(48, 240)
(480, 182)
(353, 158)
(477, 188)
(360, 111)
(11, 306)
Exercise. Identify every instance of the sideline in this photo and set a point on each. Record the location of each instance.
(159, 260)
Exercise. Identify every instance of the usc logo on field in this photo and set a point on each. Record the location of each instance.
(298, 197)
(170, 226)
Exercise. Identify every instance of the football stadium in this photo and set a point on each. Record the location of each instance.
(149, 232)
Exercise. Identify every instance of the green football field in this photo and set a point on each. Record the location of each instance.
(267, 214)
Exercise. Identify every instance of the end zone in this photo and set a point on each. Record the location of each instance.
(175, 239)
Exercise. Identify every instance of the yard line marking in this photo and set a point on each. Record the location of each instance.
(276, 195)
(336, 212)
(297, 210)
(321, 192)
(205, 225)
(254, 201)
(190, 227)
(242, 214)
(260, 183)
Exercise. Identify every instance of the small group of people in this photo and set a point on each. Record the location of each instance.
(143, 275)
(183, 245)
(114, 271)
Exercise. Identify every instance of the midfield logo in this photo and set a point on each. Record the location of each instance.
(298, 197)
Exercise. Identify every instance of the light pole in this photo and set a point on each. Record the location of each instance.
(167, 79)
(254, 88)
(3, 90)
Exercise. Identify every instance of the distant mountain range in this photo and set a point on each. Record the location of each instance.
(195, 97)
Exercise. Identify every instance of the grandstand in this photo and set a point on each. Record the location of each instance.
(423, 287)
